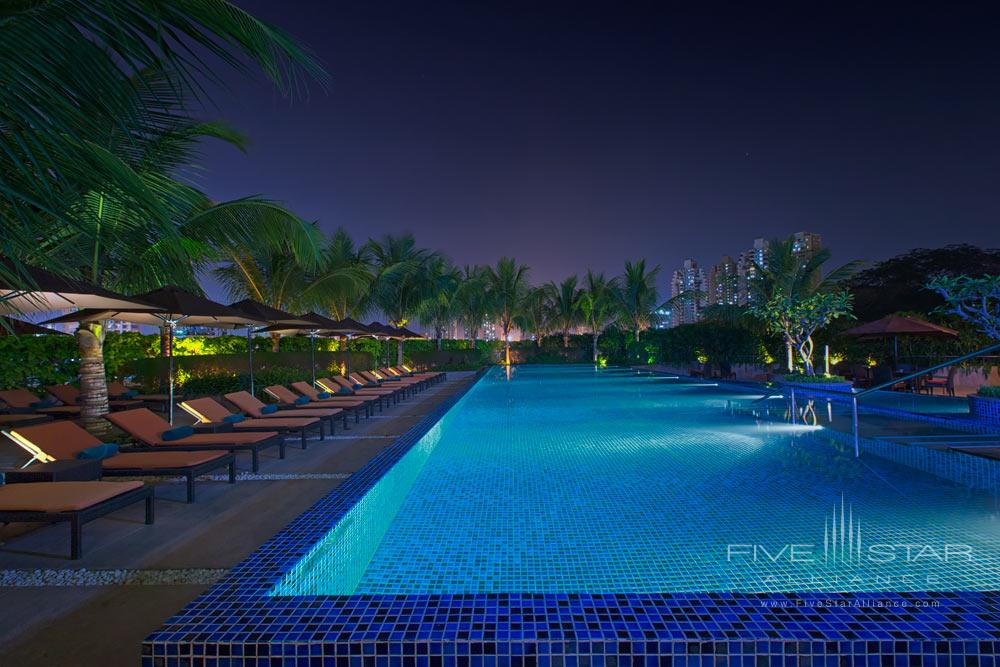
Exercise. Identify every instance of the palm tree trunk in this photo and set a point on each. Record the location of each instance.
(596, 336)
(93, 381)
(399, 352)
(565, 340)
(637, 333)
(275, 342)
(506, 350)
(166, 348)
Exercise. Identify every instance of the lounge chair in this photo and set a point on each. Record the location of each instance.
(337, 392)
(389, 376)
(250, 405)
(289, 399)
(209, 411)
(22, 401)
(119, 390)
(75, 502)
(433, 376)
(148, 428)
(363, 386)
(423, 380)
(70, 395)
(66, 440)
(17, 420)
(375, 380)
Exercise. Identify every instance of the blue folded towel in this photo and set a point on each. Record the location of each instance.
(100, 452)
(47, 403)
(177, 433)
(131, 393)
(345, 390)
(323, 394)
(269, 409)
(301, 400)
(234, 419)
(358, 386)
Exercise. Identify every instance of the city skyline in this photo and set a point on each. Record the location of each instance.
(576, 140)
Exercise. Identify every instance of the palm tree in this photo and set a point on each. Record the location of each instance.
(637, 295)
(69, 78)
(794, 297)
(565, 307)
(438, 309)
(470, 301)
(507, 288)
(274, 275)
(535, 314)
(350, 277)
(598, 305)
(400, 282)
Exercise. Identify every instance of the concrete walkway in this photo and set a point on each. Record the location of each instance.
(97, 610)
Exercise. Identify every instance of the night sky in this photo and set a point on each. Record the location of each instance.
(575, 136)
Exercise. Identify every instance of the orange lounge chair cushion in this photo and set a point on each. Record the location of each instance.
(154, 460)
(147, 426)
(18, 398)
(60, 496)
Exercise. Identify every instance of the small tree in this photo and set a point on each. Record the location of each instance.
(975, 300)
(798, 318)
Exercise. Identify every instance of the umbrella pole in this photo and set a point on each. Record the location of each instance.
(170, 349)
(348, 355)
(312, 354)
(250, 352)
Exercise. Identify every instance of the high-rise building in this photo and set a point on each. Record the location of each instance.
(723, 283)
(663, 318)
(806, 243)
(746, 270)
(688, 282)
(803, 244)
(117, 326)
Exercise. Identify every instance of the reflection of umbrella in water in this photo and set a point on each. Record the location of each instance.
(900, 325)
(173, 306)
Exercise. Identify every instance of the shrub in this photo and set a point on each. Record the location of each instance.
(989, 392)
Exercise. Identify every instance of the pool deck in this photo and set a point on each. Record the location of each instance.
(75, 619)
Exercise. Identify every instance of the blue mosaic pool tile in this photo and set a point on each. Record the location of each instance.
(237, 622)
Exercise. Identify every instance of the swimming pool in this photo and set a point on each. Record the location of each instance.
(568, 516)
(571, 479)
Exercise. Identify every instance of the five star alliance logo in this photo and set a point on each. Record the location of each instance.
(842, 546)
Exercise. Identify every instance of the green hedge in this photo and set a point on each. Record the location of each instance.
(32, 361)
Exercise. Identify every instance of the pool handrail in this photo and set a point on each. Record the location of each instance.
(855, 395)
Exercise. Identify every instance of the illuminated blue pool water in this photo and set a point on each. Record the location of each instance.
(567, 479)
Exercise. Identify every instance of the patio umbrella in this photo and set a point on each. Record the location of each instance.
(51, 292)
(349, 328)
(261, 313)
(173, 306)
(311, 324)
(385, 332)
(12, 326)
(900, 325)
